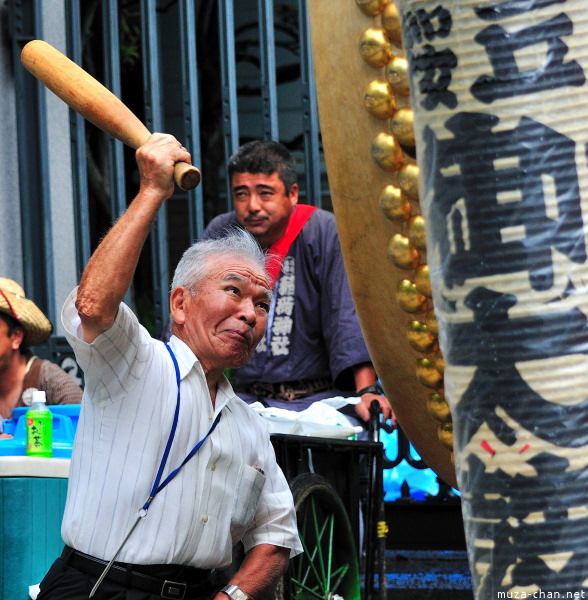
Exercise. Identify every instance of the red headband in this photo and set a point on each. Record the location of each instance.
(17, 317)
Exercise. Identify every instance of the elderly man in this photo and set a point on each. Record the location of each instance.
(314, 348)
(170, 469)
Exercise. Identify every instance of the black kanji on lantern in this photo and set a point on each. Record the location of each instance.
(435, 65)
(507, 80)
(489, 204)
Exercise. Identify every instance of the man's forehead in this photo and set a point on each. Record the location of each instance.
(248, 274)
(234, 276)
(260, 174)
(235, 268)
(248, 179)
(257, 279)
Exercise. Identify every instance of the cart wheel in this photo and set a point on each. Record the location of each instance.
(328, 568)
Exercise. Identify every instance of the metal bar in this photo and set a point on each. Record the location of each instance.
(341, 571)
(310, 120)
(381, 531)
(33, 149)
(112, 81)
(370, 528)
(319, 538)
(154, 121)
(228, 83)
(404, 450)
(190, 110)
(151, 88)
(78, 147)
(331, 575)
(267, 53)
(116, 160)
(23, 24)
(49, 275)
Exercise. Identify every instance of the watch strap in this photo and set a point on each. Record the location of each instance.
(370, 389)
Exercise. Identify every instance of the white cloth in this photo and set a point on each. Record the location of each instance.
(321, 419)
(126, 415)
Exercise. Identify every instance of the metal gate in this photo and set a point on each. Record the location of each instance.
(214, 73)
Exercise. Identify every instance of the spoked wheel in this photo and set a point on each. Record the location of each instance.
(328, 568)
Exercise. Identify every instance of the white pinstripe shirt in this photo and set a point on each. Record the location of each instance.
(127, 412)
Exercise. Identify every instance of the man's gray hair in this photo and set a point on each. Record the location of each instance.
(198, 258)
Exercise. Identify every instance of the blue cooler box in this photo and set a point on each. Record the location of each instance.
(32, 500)
(65, 423)
(31, 509)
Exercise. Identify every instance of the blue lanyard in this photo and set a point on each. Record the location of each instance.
(157, 487)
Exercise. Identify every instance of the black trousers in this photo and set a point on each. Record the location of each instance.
(64, 581)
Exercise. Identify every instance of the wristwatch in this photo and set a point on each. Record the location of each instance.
(370, 389)
(234, 592)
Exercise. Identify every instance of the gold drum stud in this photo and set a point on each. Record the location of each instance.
(445, 433)
(386, 152)
(416, 232)
(374, 47)
(401, 127)
(394, 204)
(408, 180)
(428, 374)
(431, 322)
(402, 253)
(391, 23)
(438, 408)
(379, 99)
(371, 8)
(419, 337)
(396, 74)
(409, 299)
(422, 281)
(439, 362)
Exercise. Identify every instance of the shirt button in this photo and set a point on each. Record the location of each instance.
(209, 416)
(212, 467)
(205, 519)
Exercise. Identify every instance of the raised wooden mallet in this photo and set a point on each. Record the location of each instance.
(88, 97)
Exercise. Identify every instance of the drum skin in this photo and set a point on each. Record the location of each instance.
(355, 182)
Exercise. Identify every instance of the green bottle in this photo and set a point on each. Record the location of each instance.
(39, 427)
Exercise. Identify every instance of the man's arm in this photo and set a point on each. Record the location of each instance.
(60, 387)
(110, 270)
(260, 572)
(365, 376)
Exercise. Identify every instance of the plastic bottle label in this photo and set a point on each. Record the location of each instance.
(39, 434)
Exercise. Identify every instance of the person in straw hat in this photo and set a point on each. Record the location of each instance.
(23, 325)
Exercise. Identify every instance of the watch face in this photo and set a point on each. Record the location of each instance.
(235, 592)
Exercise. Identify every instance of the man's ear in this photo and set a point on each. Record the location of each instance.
(16, 338)
(177, 304)
(293, 195)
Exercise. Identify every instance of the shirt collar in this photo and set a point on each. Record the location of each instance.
(185, 357)
(188, 360)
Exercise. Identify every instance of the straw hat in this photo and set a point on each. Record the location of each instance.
(13, 302)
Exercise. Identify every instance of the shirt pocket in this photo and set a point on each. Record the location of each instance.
(247, 493)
